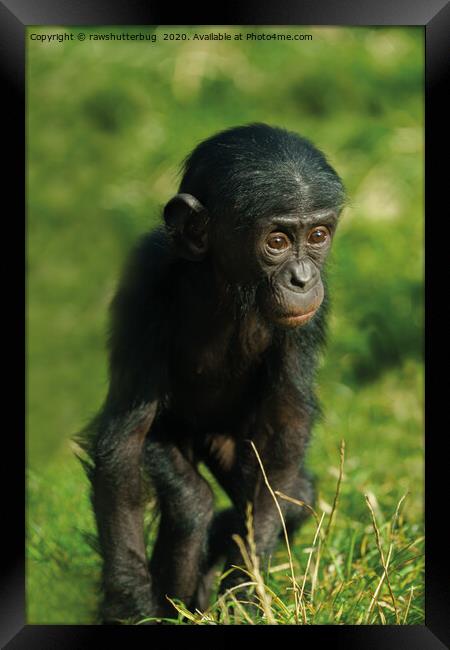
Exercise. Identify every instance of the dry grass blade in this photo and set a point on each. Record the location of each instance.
(300, 503)
(182, 610)
(384, 564)
(277, 600)
(389, 556)
(397, 515)
(338, 488)
(319, 521)
(224, 615)
(381, 615)
(323, 535)
(252, 565)
(298, 603)
(374, 600)
(405, 616)
(245, 615)
(310, 555)
(221, 601)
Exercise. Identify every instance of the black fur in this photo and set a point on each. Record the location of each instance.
(211, 347)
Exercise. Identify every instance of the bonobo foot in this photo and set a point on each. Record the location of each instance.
(127, 607)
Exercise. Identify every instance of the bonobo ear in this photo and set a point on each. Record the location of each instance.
(187, 220)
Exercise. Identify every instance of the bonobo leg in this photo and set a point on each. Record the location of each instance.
(220, 541)
(118, 505)
(229, 522)
(186, 506)
(267, 524)
(303, 490)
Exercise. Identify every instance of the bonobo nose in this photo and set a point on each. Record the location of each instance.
(299, 276)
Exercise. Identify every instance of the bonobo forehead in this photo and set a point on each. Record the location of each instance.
(253, 171)
(298, 220)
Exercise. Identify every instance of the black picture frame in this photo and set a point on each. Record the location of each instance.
(15, 16)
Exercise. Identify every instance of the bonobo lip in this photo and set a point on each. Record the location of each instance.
(292, 320)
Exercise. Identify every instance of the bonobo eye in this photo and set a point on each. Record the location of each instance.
(277, 242)
(318, 236)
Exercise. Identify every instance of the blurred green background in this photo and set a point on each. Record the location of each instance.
(108, 125)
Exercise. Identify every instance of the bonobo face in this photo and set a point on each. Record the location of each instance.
(291, 251)
(277, 259)
(260, 205)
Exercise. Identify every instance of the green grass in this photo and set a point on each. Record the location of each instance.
(372, 421)
(108, 124)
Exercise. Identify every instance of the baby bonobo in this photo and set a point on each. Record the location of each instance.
(216, 328)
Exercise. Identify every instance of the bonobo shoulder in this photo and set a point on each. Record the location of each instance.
(149, 259)
(139, 307)
(146, 271)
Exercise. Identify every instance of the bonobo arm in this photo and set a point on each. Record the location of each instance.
(282, 431)
(118, 500)
(267, 524)
(186, 506)
(115, 439)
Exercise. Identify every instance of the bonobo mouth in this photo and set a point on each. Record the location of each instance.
(292, 308)
(296, 319)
